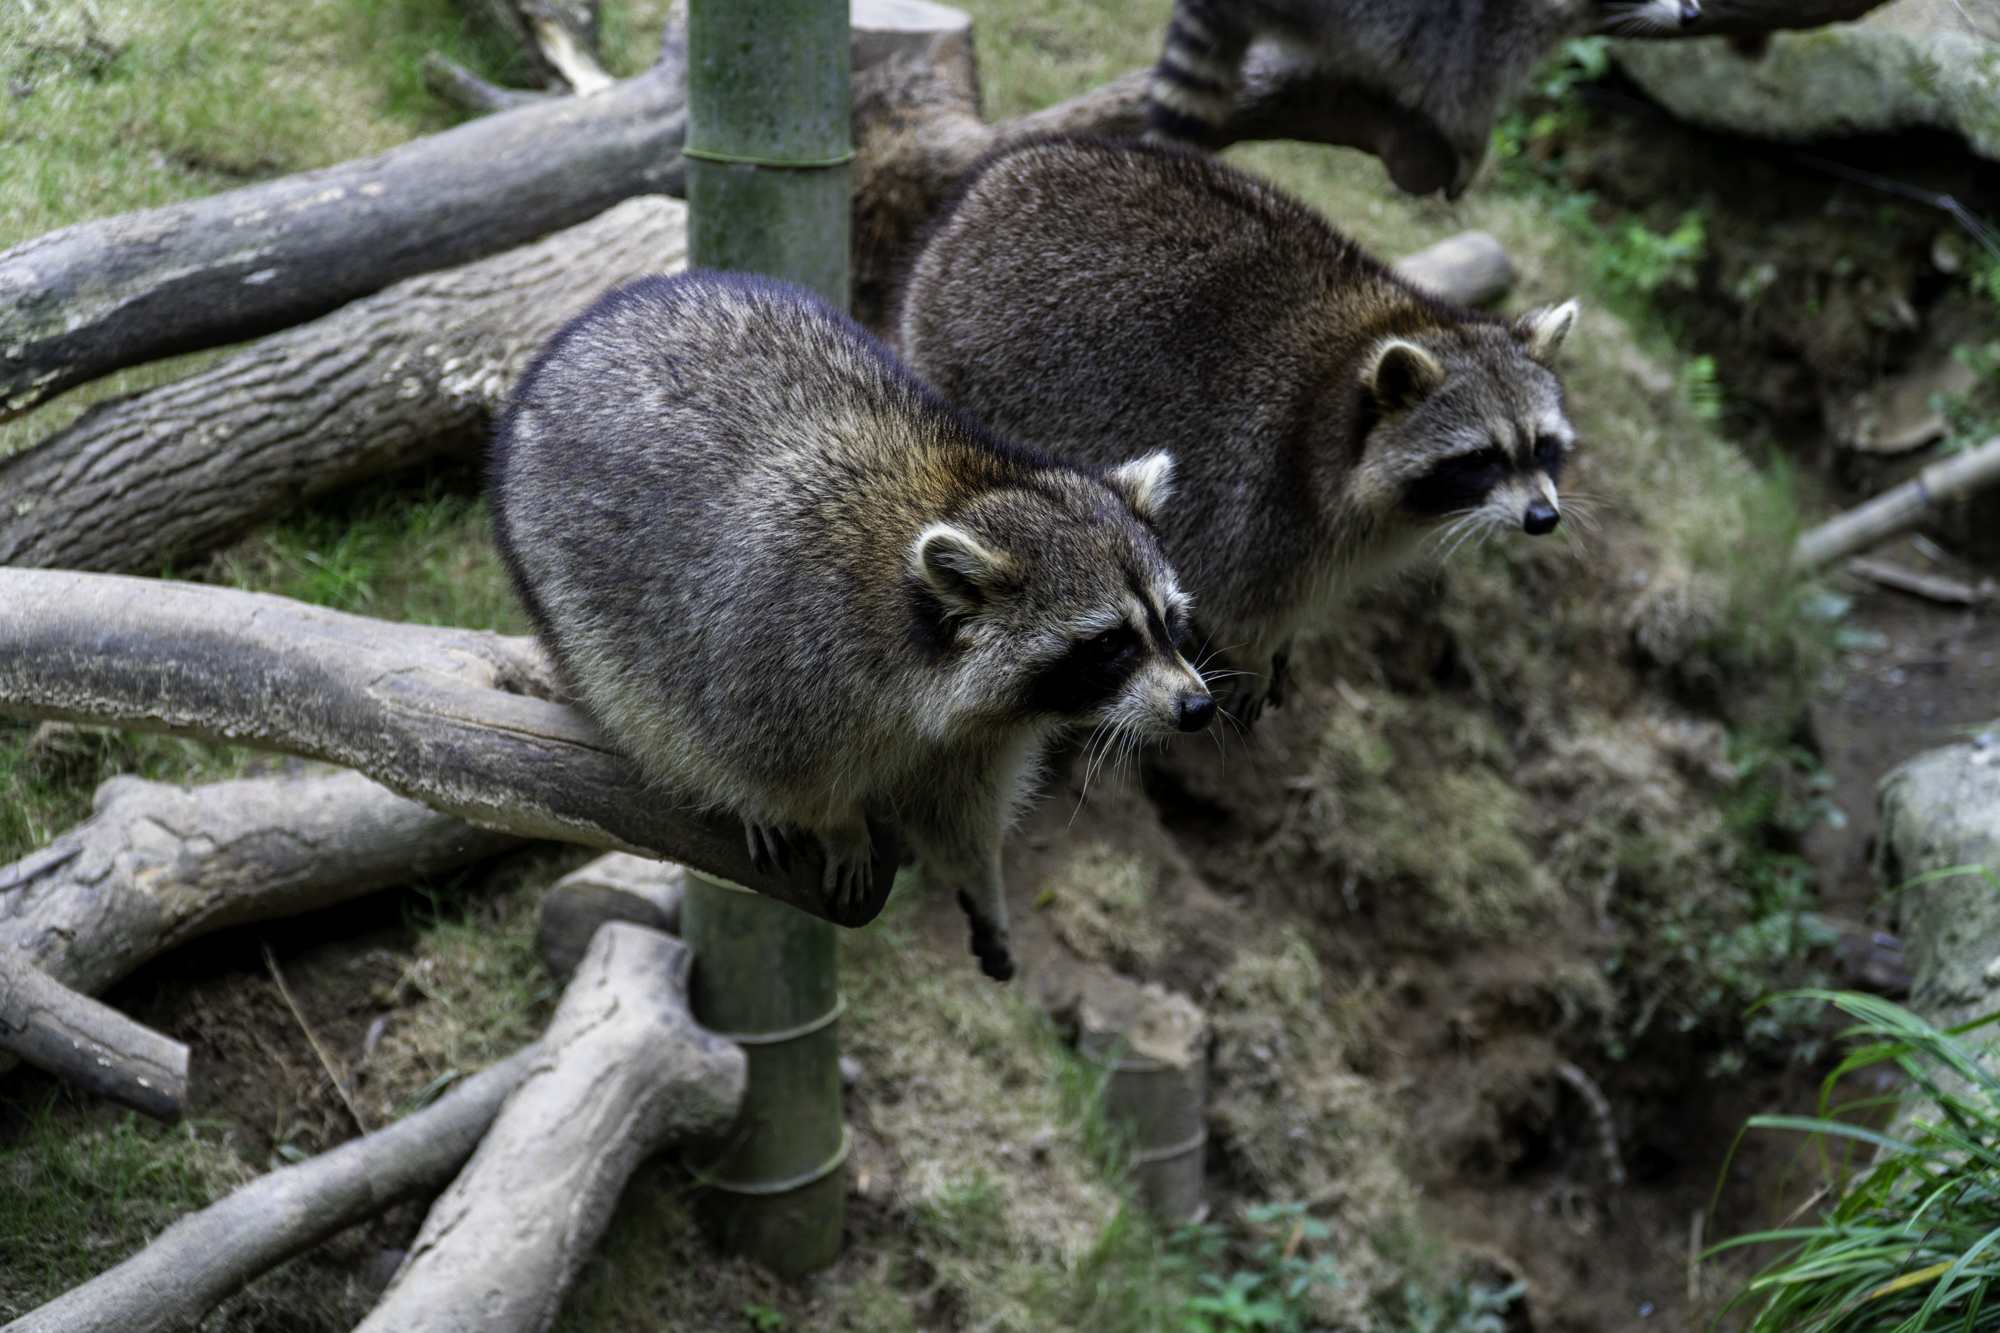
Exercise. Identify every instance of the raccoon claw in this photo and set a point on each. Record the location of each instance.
(770, 849)
(989, 944)
(847, 884)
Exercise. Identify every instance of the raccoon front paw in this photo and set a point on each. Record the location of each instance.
(770, 846)
(989, 944)
(847, 883)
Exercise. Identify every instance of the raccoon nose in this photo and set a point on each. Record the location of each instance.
(1690, 12)
(1196, 712)
(1540, 518)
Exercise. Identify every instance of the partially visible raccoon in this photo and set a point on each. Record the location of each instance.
(796, 586)
(1101, 300)
(1453, 62)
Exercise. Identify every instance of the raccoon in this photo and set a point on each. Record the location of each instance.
(1452, 62)
(1100, 299)
(796, 586)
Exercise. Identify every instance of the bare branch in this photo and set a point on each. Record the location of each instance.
(462, 721)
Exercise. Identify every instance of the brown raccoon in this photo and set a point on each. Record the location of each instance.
(1101, 300)
(796, 586)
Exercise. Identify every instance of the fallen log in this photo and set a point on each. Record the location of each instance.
(199, 1261)
(614, 887)
(89, 299)
(1931, 587)
(88, 1044)
(463, 721)
(407, 374)
(1899, 509)
(158, 864)
(622, 1071)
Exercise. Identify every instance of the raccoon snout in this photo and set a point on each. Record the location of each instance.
(1192, 712)
(1540, 517)
(1690, 13)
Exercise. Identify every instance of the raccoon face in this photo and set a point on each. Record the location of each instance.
(1646, 18)
(1057, 604)
(1471, 435)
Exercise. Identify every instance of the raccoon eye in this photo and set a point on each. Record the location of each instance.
(1548, 449)
(1112, 644)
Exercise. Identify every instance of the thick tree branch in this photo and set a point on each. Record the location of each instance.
(159, 864)
(86, 300)
(377, 385)
(622, 1071)
(88, 1044)
(462, 721)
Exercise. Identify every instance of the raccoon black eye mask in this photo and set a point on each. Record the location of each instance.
(1101, 300)
(794, 585)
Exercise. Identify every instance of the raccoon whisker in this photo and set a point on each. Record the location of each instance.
(1458, 531)
(1093, 754)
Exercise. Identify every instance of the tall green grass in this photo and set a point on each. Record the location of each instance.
(1908, 1238)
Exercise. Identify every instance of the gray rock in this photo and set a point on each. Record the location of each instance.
(1940, 810)
(1910, 64)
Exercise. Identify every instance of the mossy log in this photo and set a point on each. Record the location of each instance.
(158, 864)
(465, 722)
(88, 1044)
(622, 1071)
(199, 1261)
(380, 384)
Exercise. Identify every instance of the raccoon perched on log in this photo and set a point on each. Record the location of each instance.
(1453, 64)
(796, 586)
(1100, 299)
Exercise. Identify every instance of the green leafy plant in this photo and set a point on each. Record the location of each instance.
(1635, 258)
(1910, 1240)
(1274, 1289)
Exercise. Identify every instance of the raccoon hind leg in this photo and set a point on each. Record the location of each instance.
(1201, 65)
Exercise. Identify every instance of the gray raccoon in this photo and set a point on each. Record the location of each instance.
(1451, 61)
(796, 586)
(1100, 299)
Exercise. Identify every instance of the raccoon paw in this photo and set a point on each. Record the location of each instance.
(847, 882)
(770, 846)
(989, 944)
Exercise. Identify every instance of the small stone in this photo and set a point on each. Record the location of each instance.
(850, 1071)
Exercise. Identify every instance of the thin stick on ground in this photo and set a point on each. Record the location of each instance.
(325, 1061)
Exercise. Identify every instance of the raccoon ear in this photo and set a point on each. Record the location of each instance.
(1402, 374)
(966, 575)
(1146, 483)
(1545, 330)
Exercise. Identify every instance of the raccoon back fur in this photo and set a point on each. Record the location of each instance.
(1100, 300)
(796, 586)
(1451, 61)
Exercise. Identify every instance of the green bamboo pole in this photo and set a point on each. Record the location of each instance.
(766, 976)
(768, 192)
(768, 139)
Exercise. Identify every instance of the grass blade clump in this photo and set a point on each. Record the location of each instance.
(1910, 1242)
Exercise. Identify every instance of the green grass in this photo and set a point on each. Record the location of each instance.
(1907, 1239)
(410, 548)
(76, 1186)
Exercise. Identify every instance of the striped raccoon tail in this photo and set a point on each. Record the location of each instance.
(1194, 85)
